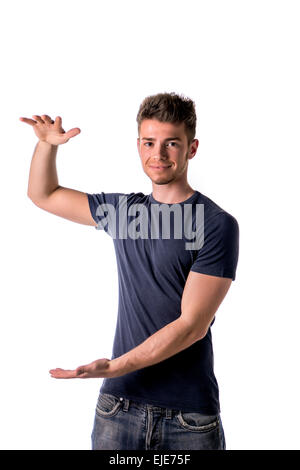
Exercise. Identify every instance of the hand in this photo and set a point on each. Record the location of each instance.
(99, 368)
(50, 131)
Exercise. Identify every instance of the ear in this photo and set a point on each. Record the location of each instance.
(138, 144)
(193, 149)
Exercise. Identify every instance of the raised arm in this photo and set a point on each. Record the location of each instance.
(43, 187)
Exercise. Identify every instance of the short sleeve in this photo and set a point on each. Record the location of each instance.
(220, 251)
(103, 207)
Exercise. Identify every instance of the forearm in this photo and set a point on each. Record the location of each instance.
(163, 344)
(43, 178)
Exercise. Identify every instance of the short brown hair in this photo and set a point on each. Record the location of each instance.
(169, 107)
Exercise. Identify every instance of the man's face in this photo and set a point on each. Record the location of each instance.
(164, 151)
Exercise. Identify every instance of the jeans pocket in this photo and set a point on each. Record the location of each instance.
(108, 405)
(197, 421)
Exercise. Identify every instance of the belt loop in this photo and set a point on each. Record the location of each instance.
(168, 413)
(125, 402)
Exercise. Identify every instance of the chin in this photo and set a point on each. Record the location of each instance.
(162, 181)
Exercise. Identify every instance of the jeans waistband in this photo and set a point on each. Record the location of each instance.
(167, 412)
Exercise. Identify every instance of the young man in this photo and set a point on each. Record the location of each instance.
(177, 253)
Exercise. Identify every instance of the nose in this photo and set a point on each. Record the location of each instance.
(160, 153)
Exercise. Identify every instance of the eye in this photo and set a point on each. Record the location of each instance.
(146, 143)
(174, 143)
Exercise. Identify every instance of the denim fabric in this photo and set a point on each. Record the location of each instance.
(123, 424)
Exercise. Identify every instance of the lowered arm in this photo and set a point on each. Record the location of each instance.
(201, 298)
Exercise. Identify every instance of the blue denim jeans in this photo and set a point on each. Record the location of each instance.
(123, 424)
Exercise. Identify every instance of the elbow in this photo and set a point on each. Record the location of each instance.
(195, 332)
(33, 199)
(198, 334)
(29, 193)
(30, 196)
(203, 333)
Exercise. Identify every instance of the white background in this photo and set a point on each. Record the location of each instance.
(92, 63)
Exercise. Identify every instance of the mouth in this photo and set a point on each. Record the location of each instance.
(159, 167)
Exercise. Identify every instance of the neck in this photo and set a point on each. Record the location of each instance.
(172, 193)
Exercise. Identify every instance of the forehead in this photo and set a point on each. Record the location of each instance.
(155, 128)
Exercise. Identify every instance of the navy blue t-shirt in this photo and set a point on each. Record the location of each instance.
(155, 250)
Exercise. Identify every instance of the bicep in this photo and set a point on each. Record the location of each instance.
(201, 298)
(69, 204)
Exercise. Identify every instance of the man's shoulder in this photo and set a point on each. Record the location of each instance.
(214, 211)
(219, 223)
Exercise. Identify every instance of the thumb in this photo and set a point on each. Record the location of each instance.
(66, 136)
(82, 372)
(72, 132)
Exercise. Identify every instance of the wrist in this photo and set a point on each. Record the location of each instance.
(117, 367)
(113, 368)
(45, 144)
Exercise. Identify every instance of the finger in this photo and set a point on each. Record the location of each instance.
(57, 121)
(47, 119)
(72, 132)
(63, 374)
(28, 121)
(82, 372)
(38, 119)
(84, 375)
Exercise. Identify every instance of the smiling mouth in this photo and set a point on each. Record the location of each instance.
(159, 167)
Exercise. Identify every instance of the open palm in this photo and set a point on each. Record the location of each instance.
(50, 131)
(98, 368)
